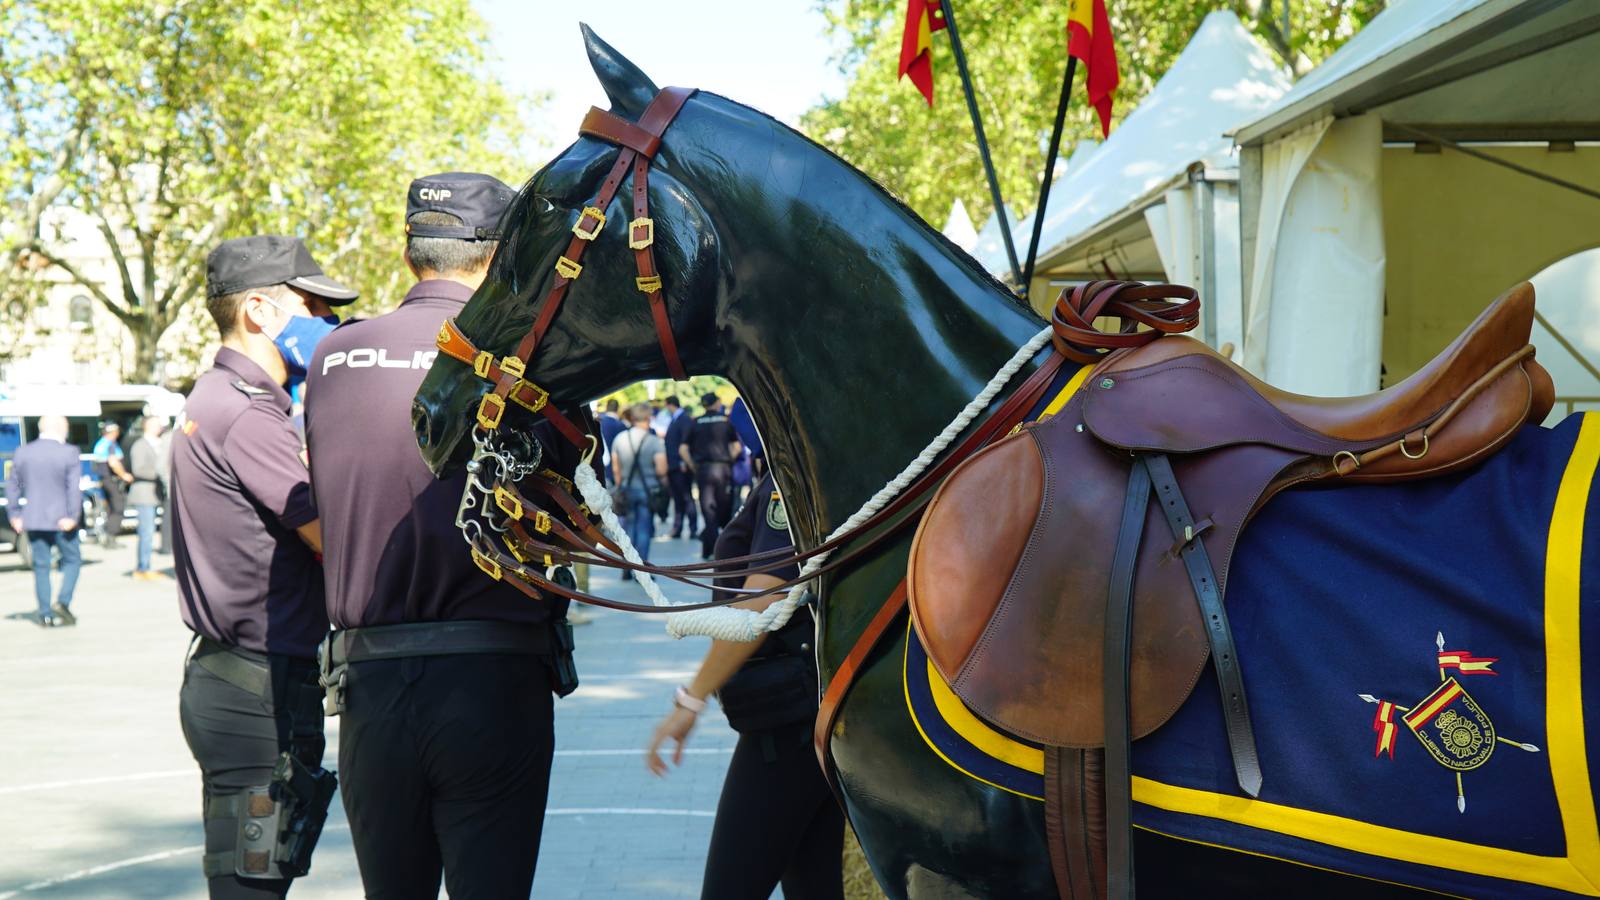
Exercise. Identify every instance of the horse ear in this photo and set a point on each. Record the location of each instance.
(629, 88)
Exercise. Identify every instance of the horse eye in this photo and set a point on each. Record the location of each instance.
(542, 206)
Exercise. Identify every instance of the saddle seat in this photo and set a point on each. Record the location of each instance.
(1008, 574)
(1177, 395)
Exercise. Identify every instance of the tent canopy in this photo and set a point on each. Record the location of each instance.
(1222, 77)
(1457, 68)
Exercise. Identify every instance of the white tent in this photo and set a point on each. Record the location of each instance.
(1157, 199)
(959, 229)
(1373, 228)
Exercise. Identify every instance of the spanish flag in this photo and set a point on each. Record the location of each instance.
(1466, 663)
(1089, 39)
(1383, 724)
(923, 18)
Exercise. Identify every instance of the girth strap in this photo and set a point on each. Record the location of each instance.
(1119, 721)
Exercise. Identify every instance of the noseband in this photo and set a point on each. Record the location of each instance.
(639, 143)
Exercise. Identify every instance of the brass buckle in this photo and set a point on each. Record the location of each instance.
(567, 269)
(482, 362)
(489, 566)
(541, 396)
(512, 365)
(599, 223)
(541, 522)
(490, 410)
(639, 243)
(516, 551)
(444, 335)
(648, 284)
(558, 478)
(508, 503)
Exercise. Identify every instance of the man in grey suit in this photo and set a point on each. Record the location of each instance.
(44, 483)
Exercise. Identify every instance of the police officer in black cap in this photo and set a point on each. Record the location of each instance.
(709, 450)
(443, 677)
(250, 586)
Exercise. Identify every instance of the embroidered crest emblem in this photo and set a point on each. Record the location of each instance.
(777, 516)
(1448, 723)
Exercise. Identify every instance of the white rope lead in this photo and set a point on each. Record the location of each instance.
(731, 624)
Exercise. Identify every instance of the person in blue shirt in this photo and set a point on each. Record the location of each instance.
(611, 425)
(114, 477)
(679, 481)
(44, 499)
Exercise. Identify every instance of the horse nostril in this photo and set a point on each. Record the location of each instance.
(422, 424)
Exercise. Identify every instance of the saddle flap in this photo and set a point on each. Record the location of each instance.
(1188, 403)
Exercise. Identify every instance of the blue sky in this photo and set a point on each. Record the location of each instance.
(770, 54)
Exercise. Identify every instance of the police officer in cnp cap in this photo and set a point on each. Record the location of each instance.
(443, 677)
(250, 586)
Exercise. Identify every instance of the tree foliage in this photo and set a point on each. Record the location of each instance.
(174, 124)
(1016, 51)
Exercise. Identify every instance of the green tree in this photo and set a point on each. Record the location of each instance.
(1016, 51)
(174, 124)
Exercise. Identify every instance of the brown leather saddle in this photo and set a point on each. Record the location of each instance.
(1033, 557)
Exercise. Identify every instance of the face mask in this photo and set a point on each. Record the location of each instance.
(298, 340)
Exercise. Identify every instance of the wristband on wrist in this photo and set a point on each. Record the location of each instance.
(682, 699)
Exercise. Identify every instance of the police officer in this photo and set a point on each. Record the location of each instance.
(679, 481)
(709, 450)
(444, 675)
(250, 586)
(768, 689)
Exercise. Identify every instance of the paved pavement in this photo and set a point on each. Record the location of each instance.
(99, 796)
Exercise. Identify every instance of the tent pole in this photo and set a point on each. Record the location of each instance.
(983, 143)
(1049, 173)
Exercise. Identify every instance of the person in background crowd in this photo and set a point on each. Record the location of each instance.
(659, 419)
(442, 677)
(144, 461)
(768, 689)
(246, 538)
(610, 426)
(744, 425)
(679, 481)
(639, 462)
(45, 500)
(709, 450)
(164, 489)
(114, 477)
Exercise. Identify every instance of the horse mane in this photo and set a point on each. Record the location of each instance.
(516, 225)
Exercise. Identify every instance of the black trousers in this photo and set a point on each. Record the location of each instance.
(776, 823)
(681, 483)
(116, 501)
(715, 481)
(236, 737)
(444, 765)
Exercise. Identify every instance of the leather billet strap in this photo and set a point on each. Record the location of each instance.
(1161, 308)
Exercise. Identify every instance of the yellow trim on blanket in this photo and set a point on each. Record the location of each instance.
(980, 735)
(1578, 872)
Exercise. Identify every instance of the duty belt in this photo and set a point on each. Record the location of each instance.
(355, 645)
(246, 670)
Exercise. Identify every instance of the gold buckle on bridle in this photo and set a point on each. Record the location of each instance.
(599, 223)
(648, 284)
(481, 363)
(568, 269)
(490, 409)
(508, 503)
(635, 242)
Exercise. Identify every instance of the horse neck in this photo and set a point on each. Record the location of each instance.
(848, 386)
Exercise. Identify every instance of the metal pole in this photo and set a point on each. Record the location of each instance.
(983, 143)
(1049, 173)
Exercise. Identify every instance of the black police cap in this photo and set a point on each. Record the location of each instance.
(477, 200)
(268, 259)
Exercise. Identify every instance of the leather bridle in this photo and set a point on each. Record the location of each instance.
(639, 145)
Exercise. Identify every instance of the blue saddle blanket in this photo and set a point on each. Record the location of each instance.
(1413, 656)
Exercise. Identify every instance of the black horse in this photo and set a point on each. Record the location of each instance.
(855, 332)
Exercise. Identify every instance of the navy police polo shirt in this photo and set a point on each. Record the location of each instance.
(392, 551)
(239, 490)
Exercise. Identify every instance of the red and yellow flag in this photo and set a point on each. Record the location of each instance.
(1383, 724)
(1089, 39)
(1466, 663)
(923, 18)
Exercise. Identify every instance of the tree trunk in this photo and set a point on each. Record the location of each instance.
(146, 368)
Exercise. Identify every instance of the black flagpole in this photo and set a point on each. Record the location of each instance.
(1049, 172)
(983, 143)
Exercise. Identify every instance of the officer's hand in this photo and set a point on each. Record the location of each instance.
(67, 524)
(16, 525)
(676, 726)
(126, 477)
